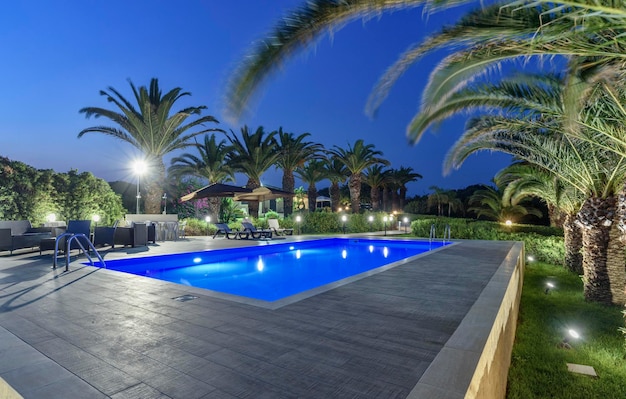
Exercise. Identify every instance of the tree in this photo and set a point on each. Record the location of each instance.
(522, 179)
(149, 127)
(336, 172)
(209, 164)
(492, 204)
(375, 178)
(294, 152)
(534, 131)
(400, 178)
(356, 159)
(438, 197)
(252, 155)
(311, 173)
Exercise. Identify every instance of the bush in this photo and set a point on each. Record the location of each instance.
(544, 243)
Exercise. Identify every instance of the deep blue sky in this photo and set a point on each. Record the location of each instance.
(58, 55)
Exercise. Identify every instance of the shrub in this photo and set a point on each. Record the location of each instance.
(544, 243)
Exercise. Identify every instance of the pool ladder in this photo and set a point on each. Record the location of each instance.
(433, 235)
(68, 245)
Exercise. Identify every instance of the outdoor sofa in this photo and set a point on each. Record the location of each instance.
(19, 234)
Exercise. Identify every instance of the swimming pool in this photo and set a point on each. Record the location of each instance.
(276, 271)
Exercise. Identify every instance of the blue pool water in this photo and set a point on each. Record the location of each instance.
(276, 271)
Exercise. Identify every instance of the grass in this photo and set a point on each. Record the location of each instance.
(538, 366)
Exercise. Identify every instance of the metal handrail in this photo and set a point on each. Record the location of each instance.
(446, 233)
(68, 245)
(432, 232)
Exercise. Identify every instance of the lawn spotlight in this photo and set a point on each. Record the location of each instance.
(571, 334)
(530, 258)
(549, 286)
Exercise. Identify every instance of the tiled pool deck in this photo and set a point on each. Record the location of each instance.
(93, 333)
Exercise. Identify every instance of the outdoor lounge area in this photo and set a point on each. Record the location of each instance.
(423, 329)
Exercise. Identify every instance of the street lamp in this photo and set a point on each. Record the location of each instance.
(139, 167)
(298, 220)
(344, 218)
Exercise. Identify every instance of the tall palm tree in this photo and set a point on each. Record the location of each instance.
(210, 164)
(294, 152)
(252, 155)
(439, 197)
(337, 173)
(401, 177)
(375, 178)
(356, 159)
(311, 173)
(151, 127)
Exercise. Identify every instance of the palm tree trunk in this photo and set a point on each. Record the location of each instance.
(289, 184)
(402, 197)
(596, 217)
(312, 194)
(355, 192)
(253, 206)
(335, 196)
(154, 188)
(395, 200)
(573, 245)
(375, 198)
(385, 199)
(616, 266)
(214, 208)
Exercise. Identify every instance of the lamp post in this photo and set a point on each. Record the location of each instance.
(405, 221)
(385, 224)
(140, 168)
(207, 219)
(370, 219)
(96, 219)
(344, 218)
(298, 220)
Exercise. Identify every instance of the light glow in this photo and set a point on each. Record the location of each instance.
(197, 260)
(344, 254)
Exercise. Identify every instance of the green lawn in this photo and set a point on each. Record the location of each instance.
(538, 366)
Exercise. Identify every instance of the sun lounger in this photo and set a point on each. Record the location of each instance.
(254, 232)
(222, 228)
(279, 231)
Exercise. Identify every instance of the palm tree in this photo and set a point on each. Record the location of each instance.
(401, 177)
(311, 173)
(252, 155)
(375, 178)
(210, 164)
(439, 197)
(492, 204)
(523, 179)
(356, 159)
(336, 172)
(294, 152)
(149, 127)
